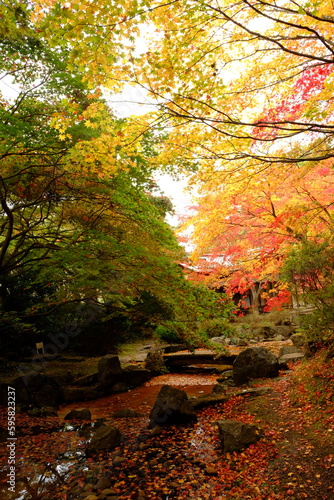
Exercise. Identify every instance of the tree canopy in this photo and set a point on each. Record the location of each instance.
(243, 106)
(82, 220)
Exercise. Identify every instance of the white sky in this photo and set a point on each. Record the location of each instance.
(175, 190)
(133, 101)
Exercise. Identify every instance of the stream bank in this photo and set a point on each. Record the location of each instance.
(178, 462)
(181, 462)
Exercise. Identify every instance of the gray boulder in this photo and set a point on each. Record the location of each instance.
(298, 340)
(236, 436)
(284, 330)
(226, 379)
(88, 380)
(219, 389)
(289, 353)
(242, 343)
(254, 362)
(226, 375)
(290, 349)
(109, 371)
(287, 358)
(106, 438)
(265, 332)
(38, 390)
(103, 483)
(218, 340)
(155, 362)
(200, 402)
(135, 375)
(171, 407)
(79, 414)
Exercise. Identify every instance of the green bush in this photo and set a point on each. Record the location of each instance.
(309, 271)
(168, 334)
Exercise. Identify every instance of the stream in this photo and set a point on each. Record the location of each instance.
(142, 398)
(36, 477)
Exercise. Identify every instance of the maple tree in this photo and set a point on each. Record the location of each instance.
(201, 65)
(246, 91)
(240, 131)
(81, 220)
(249, 227)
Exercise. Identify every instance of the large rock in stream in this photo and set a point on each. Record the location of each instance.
(254, 362)
(235, 436)
(106, 438)
(171, 407)
(37, 389)
(135, 375)
(109, 372)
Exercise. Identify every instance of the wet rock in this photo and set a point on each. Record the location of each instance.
(289, 353)
(100, 422)
(298, 340)
(242, 343)
(109, 371)
(118, 461)
(219, 389)
(226, 375)
(105, 438)
(285, 330)
(218, 340)
(38, 390)
(103, 483)
(143, 446)
(236, 436)
(266, 332)
(170, 348)
(289, 349)
(254, 362)
(207, 400)
(87, 380)
(156, 431)
(79, 414)
(287, 358)
(135, 375)
(155, 362)
(108, 492)
(171, 407)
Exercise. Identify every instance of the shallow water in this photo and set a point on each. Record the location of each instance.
(142, 398)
